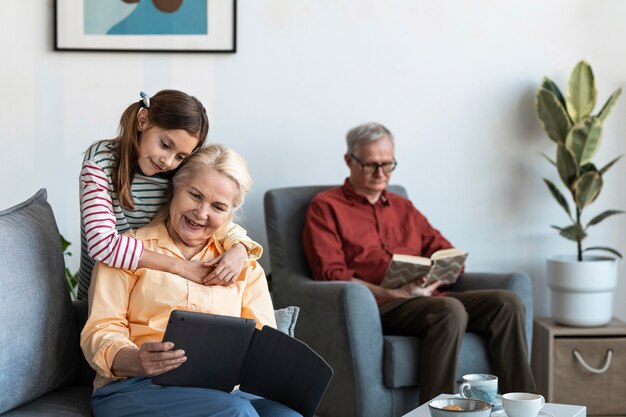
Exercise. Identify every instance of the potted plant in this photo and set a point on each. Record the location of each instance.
(71, 278)
(582, 285)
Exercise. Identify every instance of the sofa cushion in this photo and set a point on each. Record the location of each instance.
(401, 359)
(286, 319)
(36, 309)
(66, 402)
(473, 356)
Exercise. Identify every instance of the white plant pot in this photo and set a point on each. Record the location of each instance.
(582, 292)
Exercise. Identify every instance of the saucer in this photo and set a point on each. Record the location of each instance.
(501, 413)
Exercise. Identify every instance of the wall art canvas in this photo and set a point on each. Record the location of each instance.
(146, 25)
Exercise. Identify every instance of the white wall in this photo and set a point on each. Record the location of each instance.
(455, 82)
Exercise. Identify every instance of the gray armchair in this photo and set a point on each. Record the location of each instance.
(374, 375)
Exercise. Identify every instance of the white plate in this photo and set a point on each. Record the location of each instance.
(501, 413)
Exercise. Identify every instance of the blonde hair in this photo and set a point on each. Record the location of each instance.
(220, 159)
(168, 109)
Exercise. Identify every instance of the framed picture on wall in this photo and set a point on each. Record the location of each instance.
(146, 25)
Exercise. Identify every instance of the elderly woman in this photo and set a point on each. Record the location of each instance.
(128, 311)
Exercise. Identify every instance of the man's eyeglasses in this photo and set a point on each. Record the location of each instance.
(371, 167)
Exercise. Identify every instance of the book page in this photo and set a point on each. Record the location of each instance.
(444, 253)
(421, 260)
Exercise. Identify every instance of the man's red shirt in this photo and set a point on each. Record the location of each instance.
(346, 236)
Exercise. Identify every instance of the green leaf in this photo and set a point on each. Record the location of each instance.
(588, 168)
(609, 165)
(552, 115)
(584, 139)
(603, 216)
(558, 196)
(574, 232)
(566, 165)
(608, 106)
(581, 92)
(587, 188)
(606, 249)
(64, 243)
(548, 158)
(550, 85)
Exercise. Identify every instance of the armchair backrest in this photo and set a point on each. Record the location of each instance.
(285, 214)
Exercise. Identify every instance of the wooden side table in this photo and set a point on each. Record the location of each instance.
(586, 366)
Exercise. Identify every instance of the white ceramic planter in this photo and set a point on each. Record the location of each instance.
(582, 292)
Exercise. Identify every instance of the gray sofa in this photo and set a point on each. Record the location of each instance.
(42, 369)
(375, 375)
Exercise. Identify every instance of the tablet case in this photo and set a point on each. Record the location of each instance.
(215, 346)
(224, 351)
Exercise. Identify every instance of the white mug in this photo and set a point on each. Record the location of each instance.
(522, 404)
(479, 386)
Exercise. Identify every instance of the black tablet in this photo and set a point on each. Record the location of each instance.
(215, 347)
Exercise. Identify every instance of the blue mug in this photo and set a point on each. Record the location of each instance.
(480, 387)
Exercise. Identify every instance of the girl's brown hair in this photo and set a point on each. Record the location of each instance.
(169, 110)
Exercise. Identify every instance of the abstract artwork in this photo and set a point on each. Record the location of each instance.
(146, 25)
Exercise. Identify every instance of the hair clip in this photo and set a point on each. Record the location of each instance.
(145, 99)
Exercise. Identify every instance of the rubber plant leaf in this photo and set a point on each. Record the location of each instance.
(558, 196)
(606, 249)
(552, 115)
(566, 165)
(608, 106)
(581, 92)
(603, 216)
(584, 140)
(587, 188)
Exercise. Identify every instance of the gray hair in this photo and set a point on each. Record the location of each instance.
(365, 133)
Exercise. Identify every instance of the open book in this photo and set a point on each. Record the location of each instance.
(444, 265)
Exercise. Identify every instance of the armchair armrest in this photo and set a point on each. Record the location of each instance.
(517, 282)
(333, 316)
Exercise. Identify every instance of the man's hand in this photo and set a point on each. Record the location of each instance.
(415, 289)
(151, 359)
(227, 266)
(409, 290)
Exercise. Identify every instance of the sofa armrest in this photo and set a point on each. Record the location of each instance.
(333, 316)
(86, 374)
(517, 282)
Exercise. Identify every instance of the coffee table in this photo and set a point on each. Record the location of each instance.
(558, 410)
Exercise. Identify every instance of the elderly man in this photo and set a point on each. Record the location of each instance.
(351, 233)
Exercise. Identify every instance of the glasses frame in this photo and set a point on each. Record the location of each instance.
(375, 166)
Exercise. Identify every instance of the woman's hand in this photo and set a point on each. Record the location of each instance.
(227, 266)
(151, 359)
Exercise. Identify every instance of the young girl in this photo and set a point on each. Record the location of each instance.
(124, 181)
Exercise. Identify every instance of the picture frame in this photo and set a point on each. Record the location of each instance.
(146, 26)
